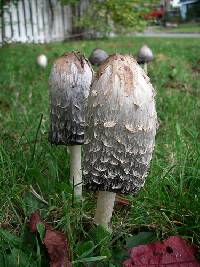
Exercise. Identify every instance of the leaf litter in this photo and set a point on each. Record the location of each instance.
(54, 241)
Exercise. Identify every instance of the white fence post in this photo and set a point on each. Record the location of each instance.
(37, 21)
(7, 24)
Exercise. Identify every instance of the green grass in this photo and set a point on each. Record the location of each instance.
(169, 203)
(182, 28)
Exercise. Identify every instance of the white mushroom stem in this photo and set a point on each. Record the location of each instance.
(145, 68)
(105, 204)
(76, 170)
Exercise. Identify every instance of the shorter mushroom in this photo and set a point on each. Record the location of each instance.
(145, 56)
(98, 56)
(69, 85)
(42, 61)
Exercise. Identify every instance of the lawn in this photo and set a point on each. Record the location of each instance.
(34, 174)
(183, 28)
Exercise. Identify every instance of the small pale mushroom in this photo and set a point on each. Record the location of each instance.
(98, 56)
(120, 132)
(42, 61)
(69, 85)
(145, 55)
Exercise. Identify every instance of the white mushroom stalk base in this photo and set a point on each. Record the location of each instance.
(105, 204)
(76, 170)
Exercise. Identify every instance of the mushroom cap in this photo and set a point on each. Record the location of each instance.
(98, 56)
(42, 60)
(145, 55)
(120, 127)
(69, 85)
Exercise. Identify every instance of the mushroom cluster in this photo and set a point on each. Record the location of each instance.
(115, 119)
(120, 132)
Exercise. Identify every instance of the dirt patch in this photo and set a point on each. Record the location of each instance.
(196, 67)
(172, 84)
(162, 57)
(4, 105)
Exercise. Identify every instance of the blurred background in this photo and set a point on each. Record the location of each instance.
(42, 21)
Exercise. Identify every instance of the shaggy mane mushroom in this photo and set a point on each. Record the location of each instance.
(120, 132)
(69, 85)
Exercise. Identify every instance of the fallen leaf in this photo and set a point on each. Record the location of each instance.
(34, 220)
(172, 252)
(121, 201)
(55, 241)
(57, 246)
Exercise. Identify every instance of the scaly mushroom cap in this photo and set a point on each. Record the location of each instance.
(69, 85)
(120, 127)
(145, 55)
(98, 56)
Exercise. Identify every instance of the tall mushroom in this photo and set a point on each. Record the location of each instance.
(69, 85)
(145, 55)
(120, 132)
(98, 56)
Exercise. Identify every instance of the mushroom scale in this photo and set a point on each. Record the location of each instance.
(120, 127)
(69, 84)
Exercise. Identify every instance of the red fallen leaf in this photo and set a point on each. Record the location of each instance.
(54, 241)
(121, 201)
(34, 220)
(57, 246)
(172, 252)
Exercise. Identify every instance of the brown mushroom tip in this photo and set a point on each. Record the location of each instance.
(69, 85)
(145, 55)
(75, 57)
(116, 59)
(98, 56)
